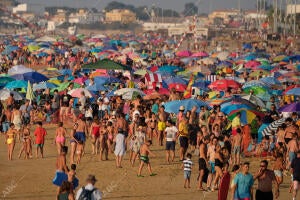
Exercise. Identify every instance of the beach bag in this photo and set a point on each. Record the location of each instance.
(86, 194)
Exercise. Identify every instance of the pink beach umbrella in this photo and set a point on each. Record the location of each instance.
(80, 80)
(184, 53)
(200, 54)
(252, 64)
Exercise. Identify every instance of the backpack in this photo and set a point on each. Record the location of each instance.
(86, 194)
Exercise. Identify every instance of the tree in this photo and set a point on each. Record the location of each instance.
(190, 9)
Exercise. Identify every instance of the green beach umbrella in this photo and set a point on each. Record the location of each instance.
(106, 64)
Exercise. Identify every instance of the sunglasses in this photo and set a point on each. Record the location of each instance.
(263, 166)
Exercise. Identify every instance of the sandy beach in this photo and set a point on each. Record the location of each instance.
(32, 179)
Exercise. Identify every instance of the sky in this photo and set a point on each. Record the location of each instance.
(205, 6)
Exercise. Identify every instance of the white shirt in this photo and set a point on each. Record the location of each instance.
(171, 133)
(96, 195)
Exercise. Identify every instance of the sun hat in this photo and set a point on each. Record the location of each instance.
(181, 108)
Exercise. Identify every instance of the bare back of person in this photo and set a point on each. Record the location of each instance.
(144, 150)
(237, 140)
(81, 126)
(61, 163)
(293, 146)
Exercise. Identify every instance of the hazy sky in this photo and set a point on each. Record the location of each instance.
(178, 5)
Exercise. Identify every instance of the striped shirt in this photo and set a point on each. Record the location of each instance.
(187, 165)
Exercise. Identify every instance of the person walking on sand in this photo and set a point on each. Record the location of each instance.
(120, 147)
(242, 184)
(295, 169)
(10, 140)
(237, 142)
(187, 168)
(89, 190)
(202, 160)
(265, 179)
(40, 134)
(145, 152)
(171, 135)
(59, 138)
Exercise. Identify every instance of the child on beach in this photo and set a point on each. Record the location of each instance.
(72, 175)
(79, 151)
(237, 142)
(40, 134)
(278, 168)
(187, 169)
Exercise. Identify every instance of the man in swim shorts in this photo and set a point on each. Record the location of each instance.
(161, 125)
(145, 151)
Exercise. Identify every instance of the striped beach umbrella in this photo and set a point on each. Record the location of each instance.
(273, 127)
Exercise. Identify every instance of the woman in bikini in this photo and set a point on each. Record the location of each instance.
(103, 140)
(152, 124)
(218, 166)
(26, 139)
(17, 120)
(10, 140)
(110, 136)
(94, 134)
(73, 142)
(60, 139)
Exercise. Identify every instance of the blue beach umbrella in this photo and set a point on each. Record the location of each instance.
(294, 91)
(173, 106)
(43, 85)
(270, 80)
(33, 77)
(16, 84)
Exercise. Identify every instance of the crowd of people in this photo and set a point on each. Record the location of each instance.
(108, 126)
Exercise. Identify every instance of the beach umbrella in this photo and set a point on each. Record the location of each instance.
(173, 106)
(223, 55)
(106, 64)
(65, 72)
(247, 115)
(254, 83)
(33, 77)
(252, 64)
(5, 94)
(77, 92)
(207, 61)
(257, 73)
(255, 100)
(200, 54)
(238, 100)
(269, 80)
(256, 90)
(293, 107)
(19, 69)
(99, 72)
(174, 79)
(224, 84)
(43, 86)
(294, 91)
(130, 95)
(142, 72)
(29, 93)
(184, 53)
(177, 86)
(96, 88)
(5, 79)
(50, 72)
(162, 91)
(16, 84)
(80, 80)
(247, 46)
(64, 86)
(279, 58)
(169, 69)
(122, 91)
(228, 108)
(273, 127)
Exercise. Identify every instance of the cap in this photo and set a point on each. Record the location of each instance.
(181, 108)
(91, 178)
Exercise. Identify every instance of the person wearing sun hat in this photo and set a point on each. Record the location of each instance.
(90, 188)
(180, 114)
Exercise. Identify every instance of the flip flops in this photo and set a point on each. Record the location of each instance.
(153, 174)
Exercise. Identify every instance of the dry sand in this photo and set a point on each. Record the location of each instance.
(32, 179)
